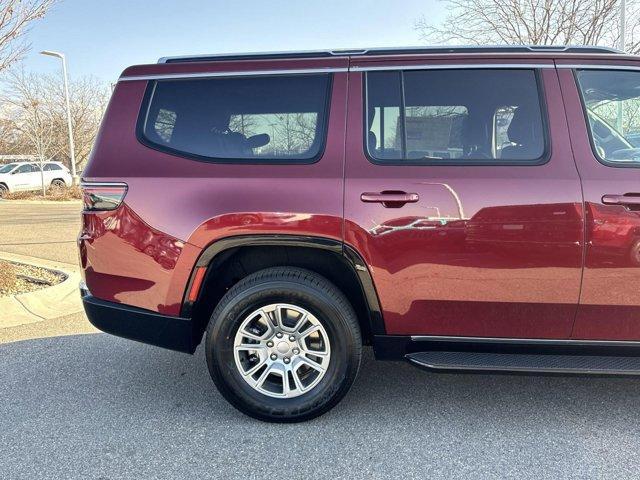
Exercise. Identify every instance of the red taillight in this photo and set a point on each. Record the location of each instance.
(102, 196)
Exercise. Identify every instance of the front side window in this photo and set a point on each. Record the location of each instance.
(7, 168)
(258, 118)
(611, 100)
(26, 168)
(455, 116)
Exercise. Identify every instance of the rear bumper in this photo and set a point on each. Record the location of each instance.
(174, 333)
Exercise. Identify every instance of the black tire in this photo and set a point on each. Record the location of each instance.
(634, 253)
(3, 190)
(301, 288)
(58, 184)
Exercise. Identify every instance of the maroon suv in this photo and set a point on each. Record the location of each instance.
(464, 209)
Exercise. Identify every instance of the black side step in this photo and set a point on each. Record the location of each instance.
(515, 362)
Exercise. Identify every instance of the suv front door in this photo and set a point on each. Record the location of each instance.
(25, 177)
(609, 166)
(463, 197)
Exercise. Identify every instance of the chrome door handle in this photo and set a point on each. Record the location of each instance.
(621, 199)
(390, 199)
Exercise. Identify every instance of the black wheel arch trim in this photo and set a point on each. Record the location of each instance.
(343, 251)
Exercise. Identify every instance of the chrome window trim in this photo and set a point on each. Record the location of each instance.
(509, 340)
(457, 66)
(591, 66)
(373, 68)
(248, 73)
(86, 183)
(302, 71)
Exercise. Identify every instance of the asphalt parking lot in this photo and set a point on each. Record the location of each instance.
(96, 406)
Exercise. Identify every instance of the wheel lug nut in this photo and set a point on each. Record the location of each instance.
(269, 344)
(286, 360)
(296, 351)
(279, 334)
(292, 338)
(274, 356)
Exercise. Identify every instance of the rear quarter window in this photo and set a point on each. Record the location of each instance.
(259, 119)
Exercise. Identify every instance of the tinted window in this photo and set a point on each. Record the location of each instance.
(612, 103)
(51, 166)
(459, 116)
(251, 118)
(27, 168)
(7, 168)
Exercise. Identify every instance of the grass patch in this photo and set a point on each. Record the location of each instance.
(55, 194)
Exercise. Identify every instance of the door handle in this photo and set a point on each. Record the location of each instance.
(621, 199)
(390, 199)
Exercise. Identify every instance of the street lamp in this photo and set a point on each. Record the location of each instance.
(66, 96)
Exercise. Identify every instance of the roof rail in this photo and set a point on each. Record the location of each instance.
(392, 51)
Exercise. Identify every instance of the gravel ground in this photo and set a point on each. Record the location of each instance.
(18, 281)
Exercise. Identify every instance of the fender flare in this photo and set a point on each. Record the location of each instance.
(345, 252)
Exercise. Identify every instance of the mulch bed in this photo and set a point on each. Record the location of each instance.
(18, 278)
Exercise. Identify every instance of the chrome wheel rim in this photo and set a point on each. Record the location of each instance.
(282, 350)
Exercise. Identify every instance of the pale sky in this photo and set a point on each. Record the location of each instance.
(101, 38)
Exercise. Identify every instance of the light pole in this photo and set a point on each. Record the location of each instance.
(66, 97)
(623, 20)
(621, 44)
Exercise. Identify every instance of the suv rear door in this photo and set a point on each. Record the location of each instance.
(608, 94)
(471, 223)
(26, 177)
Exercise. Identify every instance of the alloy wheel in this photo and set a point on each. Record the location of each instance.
(282, 350)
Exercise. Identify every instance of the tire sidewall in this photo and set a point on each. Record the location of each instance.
(343, 365)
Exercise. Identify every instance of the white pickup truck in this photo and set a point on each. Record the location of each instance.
(24, 176)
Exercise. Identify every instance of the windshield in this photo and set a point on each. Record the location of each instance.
(7, 168)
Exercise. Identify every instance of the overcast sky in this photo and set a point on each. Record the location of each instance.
(101, 38)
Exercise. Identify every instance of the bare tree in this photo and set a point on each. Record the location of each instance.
(29, 104)
(89, 98)
(535, 22)
(15, 18)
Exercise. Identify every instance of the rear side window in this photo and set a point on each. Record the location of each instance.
(455, 116)
(256, 119)
(611, 100)
(51, 166)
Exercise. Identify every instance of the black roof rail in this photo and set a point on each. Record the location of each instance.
(392, 51)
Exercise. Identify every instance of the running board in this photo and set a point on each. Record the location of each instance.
(534, 363)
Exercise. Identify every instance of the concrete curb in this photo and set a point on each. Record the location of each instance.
(46, 304)
(41, 202)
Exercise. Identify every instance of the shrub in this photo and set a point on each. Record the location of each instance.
(53, 193)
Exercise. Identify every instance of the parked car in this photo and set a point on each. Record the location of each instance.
(26, 176)
(462, 209)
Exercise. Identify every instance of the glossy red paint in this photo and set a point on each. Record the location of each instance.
(196, 203)
(609, 302)
(487, 251)
(127, 261)
(502, 258)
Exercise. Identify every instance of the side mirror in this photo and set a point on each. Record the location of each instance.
(260, 140)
